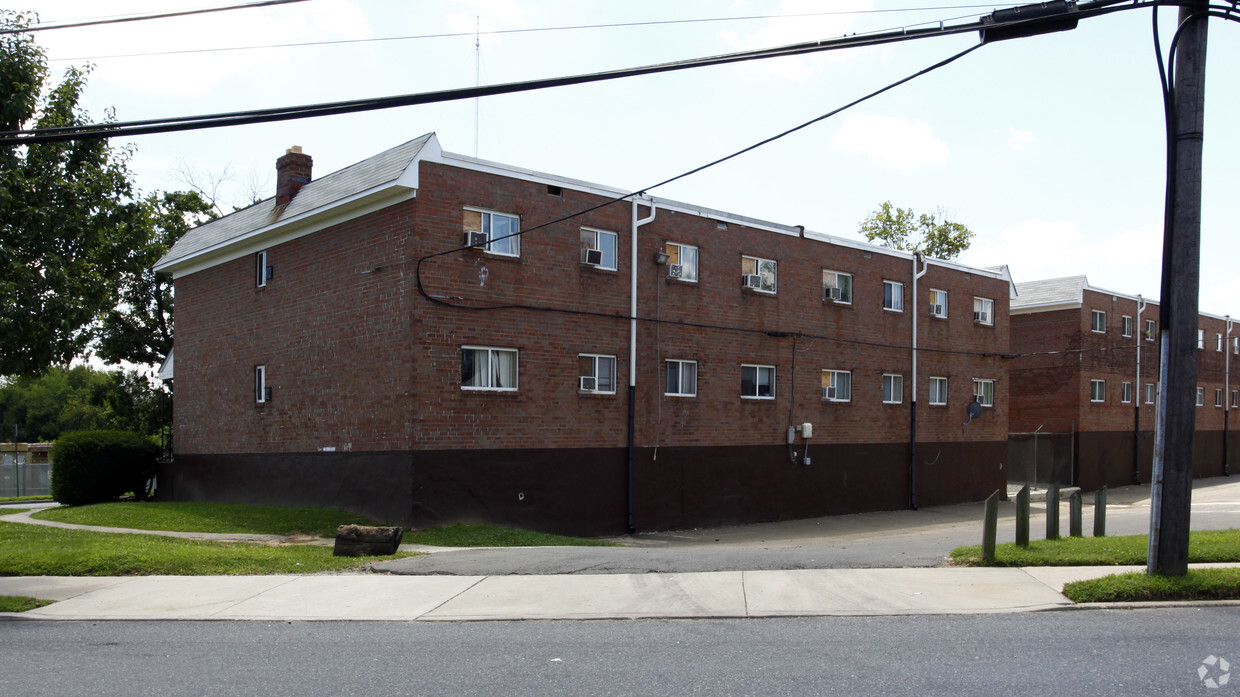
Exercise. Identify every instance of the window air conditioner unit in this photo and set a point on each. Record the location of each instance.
(981, 317)
(936, 310)
(828, 393)
(475, 239)
(833, 294)
(751, 280)
(588, 383)
(675, 271)
(593, 257)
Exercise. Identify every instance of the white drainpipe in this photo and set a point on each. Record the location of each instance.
(633, 348)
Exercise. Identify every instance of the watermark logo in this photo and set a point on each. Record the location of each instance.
(1214, 672)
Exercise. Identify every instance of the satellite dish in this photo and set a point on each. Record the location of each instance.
(974, 410)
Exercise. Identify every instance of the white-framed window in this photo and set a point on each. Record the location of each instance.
(938, 391)
(488, 368)
(837, 286)
(758, 381)
(836, 385)
(1235, 399)
(984, 311)
(1235, 345)
(682, 261)
(263, 271)
(598, 248)
(938, 303)
(1201, 338)
(984, 390)
(893, 389)
(1128, 326)
(498, 231)
(1218, 342)
(758, 274)
(261, 392)
(1097, 390)
(1218, 397)
(596, 373)
(680, 378)
(1098, 321)
(1150, 332)
(893, 296)
(1149, 392)
(1125, 392)
(1201, 396)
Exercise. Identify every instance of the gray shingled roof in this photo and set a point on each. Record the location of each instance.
(1054, 290)
(317, 193)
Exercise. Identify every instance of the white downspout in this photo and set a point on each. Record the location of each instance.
(1138, 393)
(912, 438)
(633, 349)
(1226, 393)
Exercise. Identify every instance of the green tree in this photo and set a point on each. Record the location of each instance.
(928, 235)
(81, 399)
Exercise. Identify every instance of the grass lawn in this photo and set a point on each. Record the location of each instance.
(495, 536)
(1203, 546)
(36, 550)
(20, 603)
(1197, 584)
(187, 516)
(19, 499)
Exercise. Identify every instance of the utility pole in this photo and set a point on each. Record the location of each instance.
(1173, 477)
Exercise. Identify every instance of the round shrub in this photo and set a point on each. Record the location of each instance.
(94, 466)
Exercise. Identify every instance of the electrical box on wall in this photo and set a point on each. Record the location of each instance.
(807, 430)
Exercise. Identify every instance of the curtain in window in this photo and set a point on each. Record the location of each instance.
(503, 369)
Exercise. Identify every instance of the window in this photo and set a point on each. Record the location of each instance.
(484, 368)
(758, 381)
(938, 303)
(1201, 396)
(495, 229)
(893, 296)
(262, 393)
(1149, 330)
(837, 286)
(1235, 399)
(596, 373)
(836, 385)
(1235, 345)
(984, 390)
(1097, 390)
(682, 261)
(938, 391)
(598, 248)
(1218, 342)
(1098, 321)
(1149, 393)
(1218, 398)
(893, 389)
(1127, 325)
(680, 378)
(758, 274)
(264, 272)
(1201, 338)
(983, 311)
(1125, 392)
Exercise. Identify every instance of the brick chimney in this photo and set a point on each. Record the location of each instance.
(292, 173)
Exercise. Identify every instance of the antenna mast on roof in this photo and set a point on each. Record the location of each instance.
(477, 74)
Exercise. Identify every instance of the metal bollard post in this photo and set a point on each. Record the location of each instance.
(1100, 512)
(990, 527)
(1052, 512)
(1074, 514)
(1022, 516)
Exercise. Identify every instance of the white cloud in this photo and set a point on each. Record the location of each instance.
(1020, 140)
(819, 23)
(891, 141)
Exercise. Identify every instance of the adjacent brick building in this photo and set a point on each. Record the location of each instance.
(340, 345)
(1076, 383)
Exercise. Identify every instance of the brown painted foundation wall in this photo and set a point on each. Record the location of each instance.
(1105, 458)
(584, 492)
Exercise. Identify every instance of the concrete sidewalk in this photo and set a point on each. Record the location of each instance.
(732, 594)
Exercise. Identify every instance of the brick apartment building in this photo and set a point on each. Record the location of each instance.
(338, 345)
(1077, 384)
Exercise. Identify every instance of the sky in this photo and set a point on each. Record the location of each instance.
(1050, 148)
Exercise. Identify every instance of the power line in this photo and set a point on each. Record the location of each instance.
(500, 32)
(141, 18)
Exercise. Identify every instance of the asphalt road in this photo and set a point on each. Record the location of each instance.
(1080, 653)
(870, 540)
